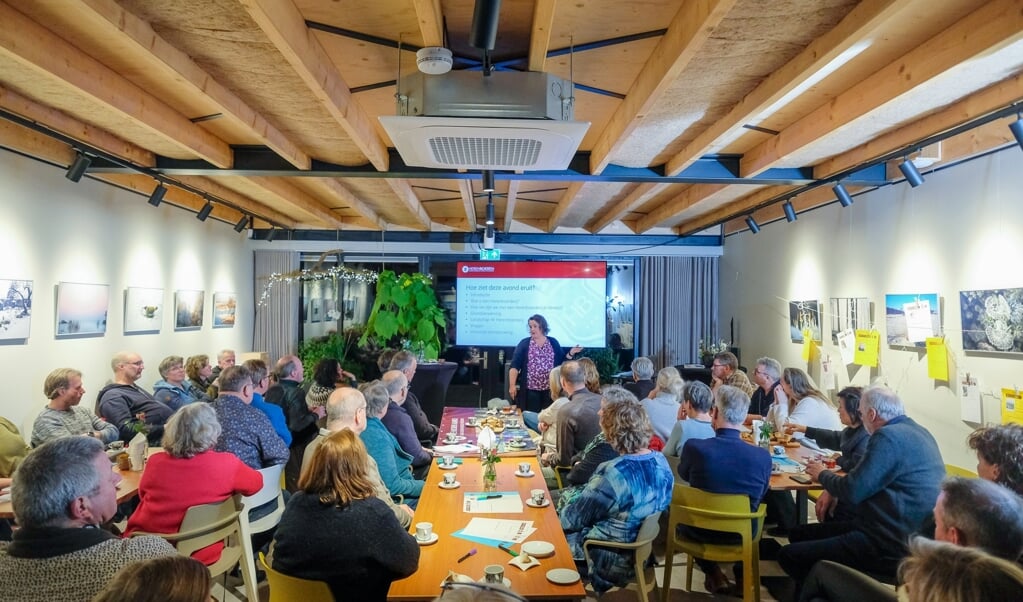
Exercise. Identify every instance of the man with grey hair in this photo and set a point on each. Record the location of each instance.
(62, 493)
(128, 406)
(894, 487)
(63, 417)
(426, 431)
(725, 463)
(225, 359)
(578, 422)
(642, 378)
(767, 377)
(246, 432)
(346, 409)
(399, 423)
(395, 465)
(289, 395)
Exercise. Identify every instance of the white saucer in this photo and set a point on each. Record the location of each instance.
(540, 549)
(451, 466)
(562, 576)
(518, 445)
(432, 539)
(546, 502)
(507, 583)
(449, 440)
(454, 485)
(525, 474)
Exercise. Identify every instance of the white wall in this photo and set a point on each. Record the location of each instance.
(54, 230)
(961, 230)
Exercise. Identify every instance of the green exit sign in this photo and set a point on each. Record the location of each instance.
(490, 254)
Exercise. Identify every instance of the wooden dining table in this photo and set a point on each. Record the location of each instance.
(784, 482)
(469, 433)
(127, 489)
(444, 508)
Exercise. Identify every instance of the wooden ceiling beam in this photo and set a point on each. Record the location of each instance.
(431, 21)
(242, 202)
(25, 41)
(298, 198)
(689, 197)
(177, 196)
(540, 38)
(985, 30)
(468, 203)
(564, 202)
(346, 196)
(509, 205)
(408, 197)
(110, 20)
(636, 197)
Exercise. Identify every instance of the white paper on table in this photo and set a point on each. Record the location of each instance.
(477, 502)
(918, 320)
(847, 345)
(455, 448)
(969, 398)
(500, 529)
(137, 451)
(486, 438)
(829, 379)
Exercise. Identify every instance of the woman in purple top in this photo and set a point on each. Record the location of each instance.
(535, 356)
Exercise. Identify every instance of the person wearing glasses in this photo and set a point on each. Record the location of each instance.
(128, 406)
(767, 376)
(172, 388)
(725, 371)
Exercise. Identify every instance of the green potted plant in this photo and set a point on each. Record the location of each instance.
(334, 345)
(405, 314)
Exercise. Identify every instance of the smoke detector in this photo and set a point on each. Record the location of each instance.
(434, 60)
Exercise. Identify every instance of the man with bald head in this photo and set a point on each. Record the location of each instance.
(288, 394)
(346, 409)
(124, 404)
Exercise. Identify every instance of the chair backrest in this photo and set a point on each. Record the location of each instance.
(284, 588)
(716, 511)
(957, 471)
(648, 532)
(271, 491)
(208, 524)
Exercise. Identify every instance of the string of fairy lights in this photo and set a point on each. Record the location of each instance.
(335, 273)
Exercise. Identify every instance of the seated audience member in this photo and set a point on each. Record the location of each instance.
(620, 494)
(200, 377)
(547, 419)
(399, 423)
(578, 422)
(806, 404)
(172, 389)
(407, 363)
(592, 374)
(941, 571)
(260, 383)
(384, 360)
(245, 431)
(724, 463)
(663, 404)
(327, 375)
(725, 371)
(642, 378)
(346, 409)
(225, 359)
(969, 512)
(124, 404)
(767, 377)
(63, 417)
(1000, 454)
(287, 393)
(694, 421)
(394, 463)
(335, 530)
(170, 579)
(596, 452)
(62, 493)
(188, 474)
(13, 450)
(893, 487)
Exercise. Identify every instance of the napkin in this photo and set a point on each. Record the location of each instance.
(454, 577)
(524, 561)
(137, 451)
(486, 438)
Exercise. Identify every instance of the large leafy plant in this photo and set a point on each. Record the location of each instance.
(405, 314)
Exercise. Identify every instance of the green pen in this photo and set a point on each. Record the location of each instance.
(509, 550)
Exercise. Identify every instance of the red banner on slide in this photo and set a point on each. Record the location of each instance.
(532, 269)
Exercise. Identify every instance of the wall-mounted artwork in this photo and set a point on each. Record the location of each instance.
(911, 318)
(848, 313)
(992, 320)
(224, 307)
(188, 306)
(82, 309)
(143, 310)
(804, 315)
(316, 310)
(15, 309)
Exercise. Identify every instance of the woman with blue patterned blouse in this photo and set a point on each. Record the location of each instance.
(620, 494)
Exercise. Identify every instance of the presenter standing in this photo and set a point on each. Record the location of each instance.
(535, 357)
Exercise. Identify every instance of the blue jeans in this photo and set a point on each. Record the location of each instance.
(531, 420)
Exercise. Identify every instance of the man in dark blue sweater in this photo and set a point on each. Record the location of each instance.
(894, 489)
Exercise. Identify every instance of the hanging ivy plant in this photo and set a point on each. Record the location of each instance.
(405, 314)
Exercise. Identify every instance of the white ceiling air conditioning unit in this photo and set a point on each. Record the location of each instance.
(517, 121)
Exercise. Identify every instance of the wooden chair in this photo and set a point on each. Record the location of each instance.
(641, 548)
(271, 490)
(718, 512)
(284, 588)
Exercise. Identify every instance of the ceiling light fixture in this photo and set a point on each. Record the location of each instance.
(488, 180)
(790, 212)
(754, 227)
(490, 210)
(244, 221)
(78, 167)
(205, 212)
(158, 193)
(271, 233)
(1016, 127)
(843, 196)
(911, 172)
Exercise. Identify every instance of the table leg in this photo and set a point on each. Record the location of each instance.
(802, 500)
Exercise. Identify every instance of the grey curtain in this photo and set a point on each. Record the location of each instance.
(276, 325)
(678, 305)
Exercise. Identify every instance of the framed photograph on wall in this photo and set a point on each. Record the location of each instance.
(804, 315)
(992, 320)
(188, 308)
(911, 318)
(82, 309)
(15, 309)
(848, 313)
(143, 310)
(315, 310)
(224, 308)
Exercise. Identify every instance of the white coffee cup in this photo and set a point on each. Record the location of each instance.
(537, 496)
(447, 460)
(449, 479)
(524, 468)
(424, 531)
(517, 439)
(493, 573)
(451, 437)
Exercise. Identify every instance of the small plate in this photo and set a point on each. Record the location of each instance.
(546, 502)
(517, 445)
(449, 440)
(562, 576)
(454, 485)
(432, 539)
(506, 583)
(541, 549)
(451, 466)
(525, 474)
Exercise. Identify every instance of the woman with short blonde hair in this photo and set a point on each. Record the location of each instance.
(938, 571)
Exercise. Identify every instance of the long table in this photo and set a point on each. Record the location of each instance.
(443, 508)
(463, 414)
(126, 490)
(782, 482)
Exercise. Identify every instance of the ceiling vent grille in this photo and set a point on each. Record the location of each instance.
(515, 152)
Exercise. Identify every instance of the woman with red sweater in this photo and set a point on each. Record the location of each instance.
(189, 474)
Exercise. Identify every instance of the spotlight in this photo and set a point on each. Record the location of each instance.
(490, 212)
(157, 197)
(910, 171)
(271, 233)
(790, 212)
(488, 181)
(205, 212)
(752, 223)
(843, 196)
(77, 169)
(1017, 130)
(242, 223)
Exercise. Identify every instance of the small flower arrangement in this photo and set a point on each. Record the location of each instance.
(489, 457)
(140, 425)
(710, 347)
